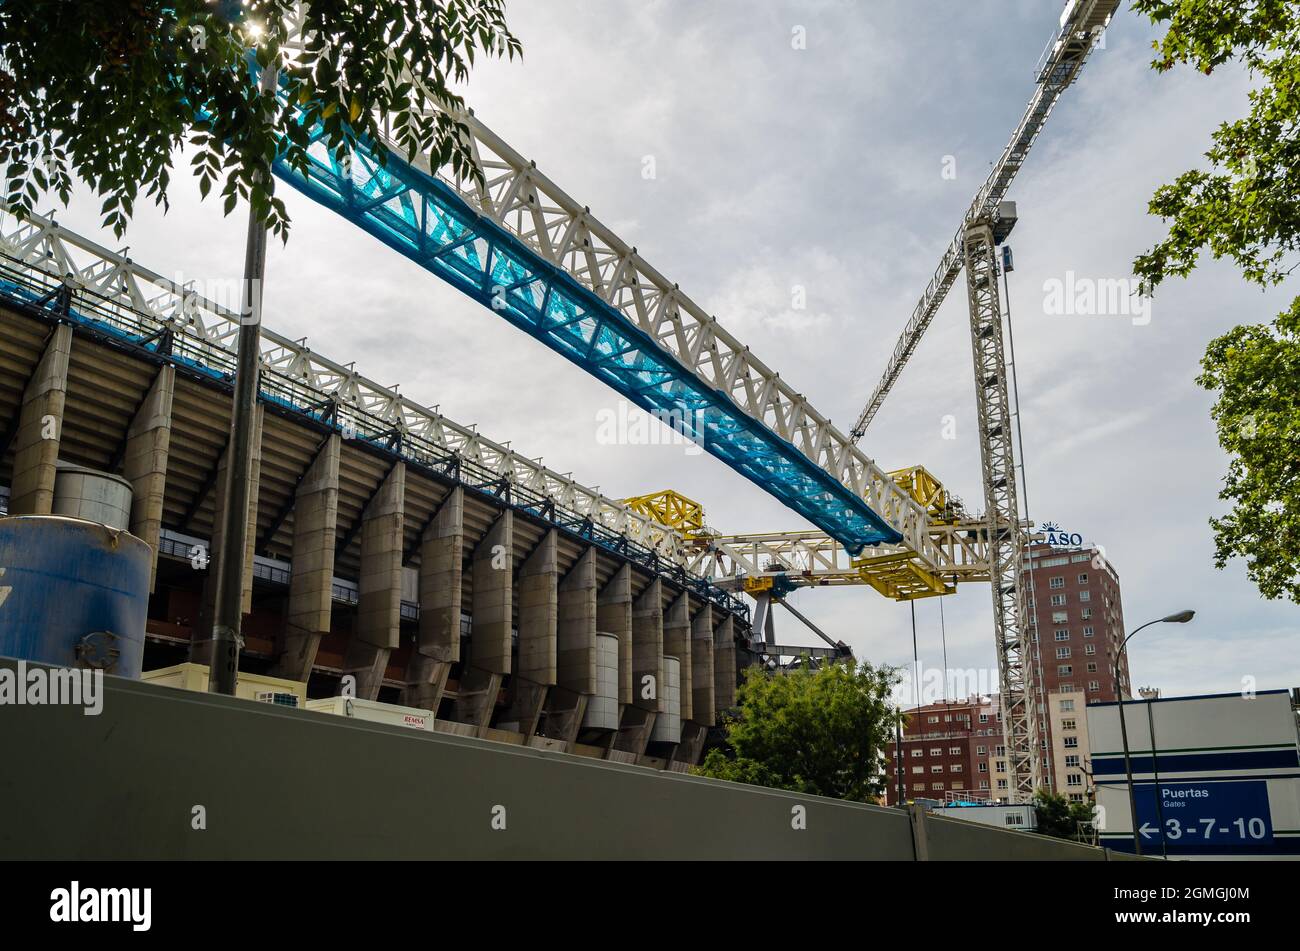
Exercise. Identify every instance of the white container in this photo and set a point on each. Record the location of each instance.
(95, 496)
(602, 706)
(374, 712)
(668, 725)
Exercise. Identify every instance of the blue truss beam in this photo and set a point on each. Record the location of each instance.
(425, 220)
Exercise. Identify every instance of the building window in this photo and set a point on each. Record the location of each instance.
(918, 770)
(955, 768)
(931, 719)
(1073, 779)
(1092, 668)
(1060, 617)
(1090, 648)
(1069, 742)
(984, 718)
(1002, 766)
(1067, 706)
(1093, 685)
(1063, 634)
(1062, 652)
(1083, 577)
(959, 785)
(1014, 819)
(1086, 613)
(1057, 583)
(1000, 751)
(1072, 761)
(1068, 724)
(1058, 600)
(1002, 784)
(936, 751)
(919, 787)
(1064, 670)
(954, 751)
(937, 769)
(981, 750)
(1067, 688)
(938, 787)
(984, 784)
(1076, 797)
(1085, 595)
(984, 767)
(1087, 632)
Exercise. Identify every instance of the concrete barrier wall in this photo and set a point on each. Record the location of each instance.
(276, 782)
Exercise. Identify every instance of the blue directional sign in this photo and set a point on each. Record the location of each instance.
(1204, 817)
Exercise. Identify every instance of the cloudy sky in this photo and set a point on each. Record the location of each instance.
(822, 168)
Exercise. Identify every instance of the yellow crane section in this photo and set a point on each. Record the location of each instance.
(673, 509)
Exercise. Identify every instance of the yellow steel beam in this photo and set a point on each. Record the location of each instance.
(672, 509)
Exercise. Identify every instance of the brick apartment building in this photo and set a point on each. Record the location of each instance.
(1076, 624)
(947, 748)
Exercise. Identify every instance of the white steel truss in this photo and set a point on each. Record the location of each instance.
(209, 332)
(814, 558)
(520, 198)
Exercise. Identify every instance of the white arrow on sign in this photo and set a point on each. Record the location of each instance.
(1147, 831)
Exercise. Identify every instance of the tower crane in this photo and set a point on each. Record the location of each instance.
(974, 248)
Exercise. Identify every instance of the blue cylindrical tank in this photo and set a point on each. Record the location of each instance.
(73, 593)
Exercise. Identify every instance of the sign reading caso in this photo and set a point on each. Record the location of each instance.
(1058, 537)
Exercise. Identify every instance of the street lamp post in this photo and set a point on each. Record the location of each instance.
(227, 638)
(1182, 617)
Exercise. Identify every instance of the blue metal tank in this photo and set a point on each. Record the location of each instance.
(73, 593)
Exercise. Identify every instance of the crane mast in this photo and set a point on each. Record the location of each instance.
(1006, 539)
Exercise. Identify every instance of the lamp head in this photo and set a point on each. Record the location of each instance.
(1182, 617)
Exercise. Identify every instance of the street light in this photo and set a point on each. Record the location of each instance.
(227, 637)
(1182, 617)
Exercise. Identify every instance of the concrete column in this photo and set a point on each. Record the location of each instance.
(377, 632)
(311, 586)
(614, 616)
(648, 648)
(201, 642)
(40, 427)
(539, 579)
(724, 665)
(575, 674)
(637, 721)
(491, 607)
(437, 644)
(702, 686)
(677, 643)
(148, 440)
(687, 752)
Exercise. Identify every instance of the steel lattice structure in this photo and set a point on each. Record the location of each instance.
(1082, 25)
(1002, 512)
(141, 304)
(520, 245)
(814, 558)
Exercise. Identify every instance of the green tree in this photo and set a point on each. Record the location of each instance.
(1245, 206)
(813, 731)
(1060, 818)
(109, 92)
